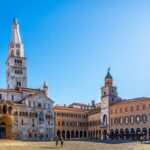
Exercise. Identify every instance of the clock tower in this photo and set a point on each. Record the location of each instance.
(109, 96)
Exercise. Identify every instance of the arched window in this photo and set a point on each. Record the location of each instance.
(41, 117)
(105, 120)
(4, 109)
(17, 52)
(12, 53)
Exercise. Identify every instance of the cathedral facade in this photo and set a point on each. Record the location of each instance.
(25, 113)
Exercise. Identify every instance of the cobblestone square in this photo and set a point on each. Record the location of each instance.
(72, 145)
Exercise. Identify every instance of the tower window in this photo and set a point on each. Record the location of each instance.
(17, 53)
(18, 83)
(12, 53)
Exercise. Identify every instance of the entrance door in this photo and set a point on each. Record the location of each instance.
(2, 132)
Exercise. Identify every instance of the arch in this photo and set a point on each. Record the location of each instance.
(10, 110)
(112, 134)
(121, 134)
(144, 131)
(104, 134)
(72, 134)
(132, 132)
(116, 134)
(63, 134)
(99, 134)
(58, 134)
(77, 134)
(68, 134)
(85, 134)
(138, 133)
(127, 133)
(5, 109)
(138, 130)
(81, 134)
(105, 119)
(94, 134)
(5, 127)
(89, 135)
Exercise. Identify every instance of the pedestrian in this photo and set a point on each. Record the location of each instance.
(56, 141)
(62, 141)
(141, 138)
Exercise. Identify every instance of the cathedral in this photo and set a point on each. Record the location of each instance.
(25, 113)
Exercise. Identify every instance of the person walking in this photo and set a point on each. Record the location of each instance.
(62, 141)
(56, 141)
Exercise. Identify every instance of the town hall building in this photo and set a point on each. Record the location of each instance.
(25, 113)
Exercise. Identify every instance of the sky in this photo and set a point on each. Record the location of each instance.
(71, 43)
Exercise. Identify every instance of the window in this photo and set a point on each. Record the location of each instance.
(0, 96)
(29, 104)
(144, 118)
(41, 117)
(22, 122)
(44, 105)
(49, 106)
(115, 110)
(17, 52)
(12, 97)
(143, 107)
(120, 110)
(33, 123)
(39, 105)
(126, 109)
(138, 118)
(126, 119)
(137, 107)
(104, 93)
(131, 108)
(121, 120)
(18, 83)
(34, 104)
(132, 119)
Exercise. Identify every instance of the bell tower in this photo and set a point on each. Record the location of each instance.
(109, 96)
(16, 62)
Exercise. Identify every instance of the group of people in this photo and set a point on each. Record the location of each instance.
(61, 141)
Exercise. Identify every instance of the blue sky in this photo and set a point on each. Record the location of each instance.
(71, 43)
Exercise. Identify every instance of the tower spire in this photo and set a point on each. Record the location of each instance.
(15, 36)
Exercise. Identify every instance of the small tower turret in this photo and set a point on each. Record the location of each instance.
(108, 79)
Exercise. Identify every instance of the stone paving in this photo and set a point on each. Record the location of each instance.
(72, 145)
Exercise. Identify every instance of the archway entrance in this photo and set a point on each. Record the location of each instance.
(2, 131)
(5, 128)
